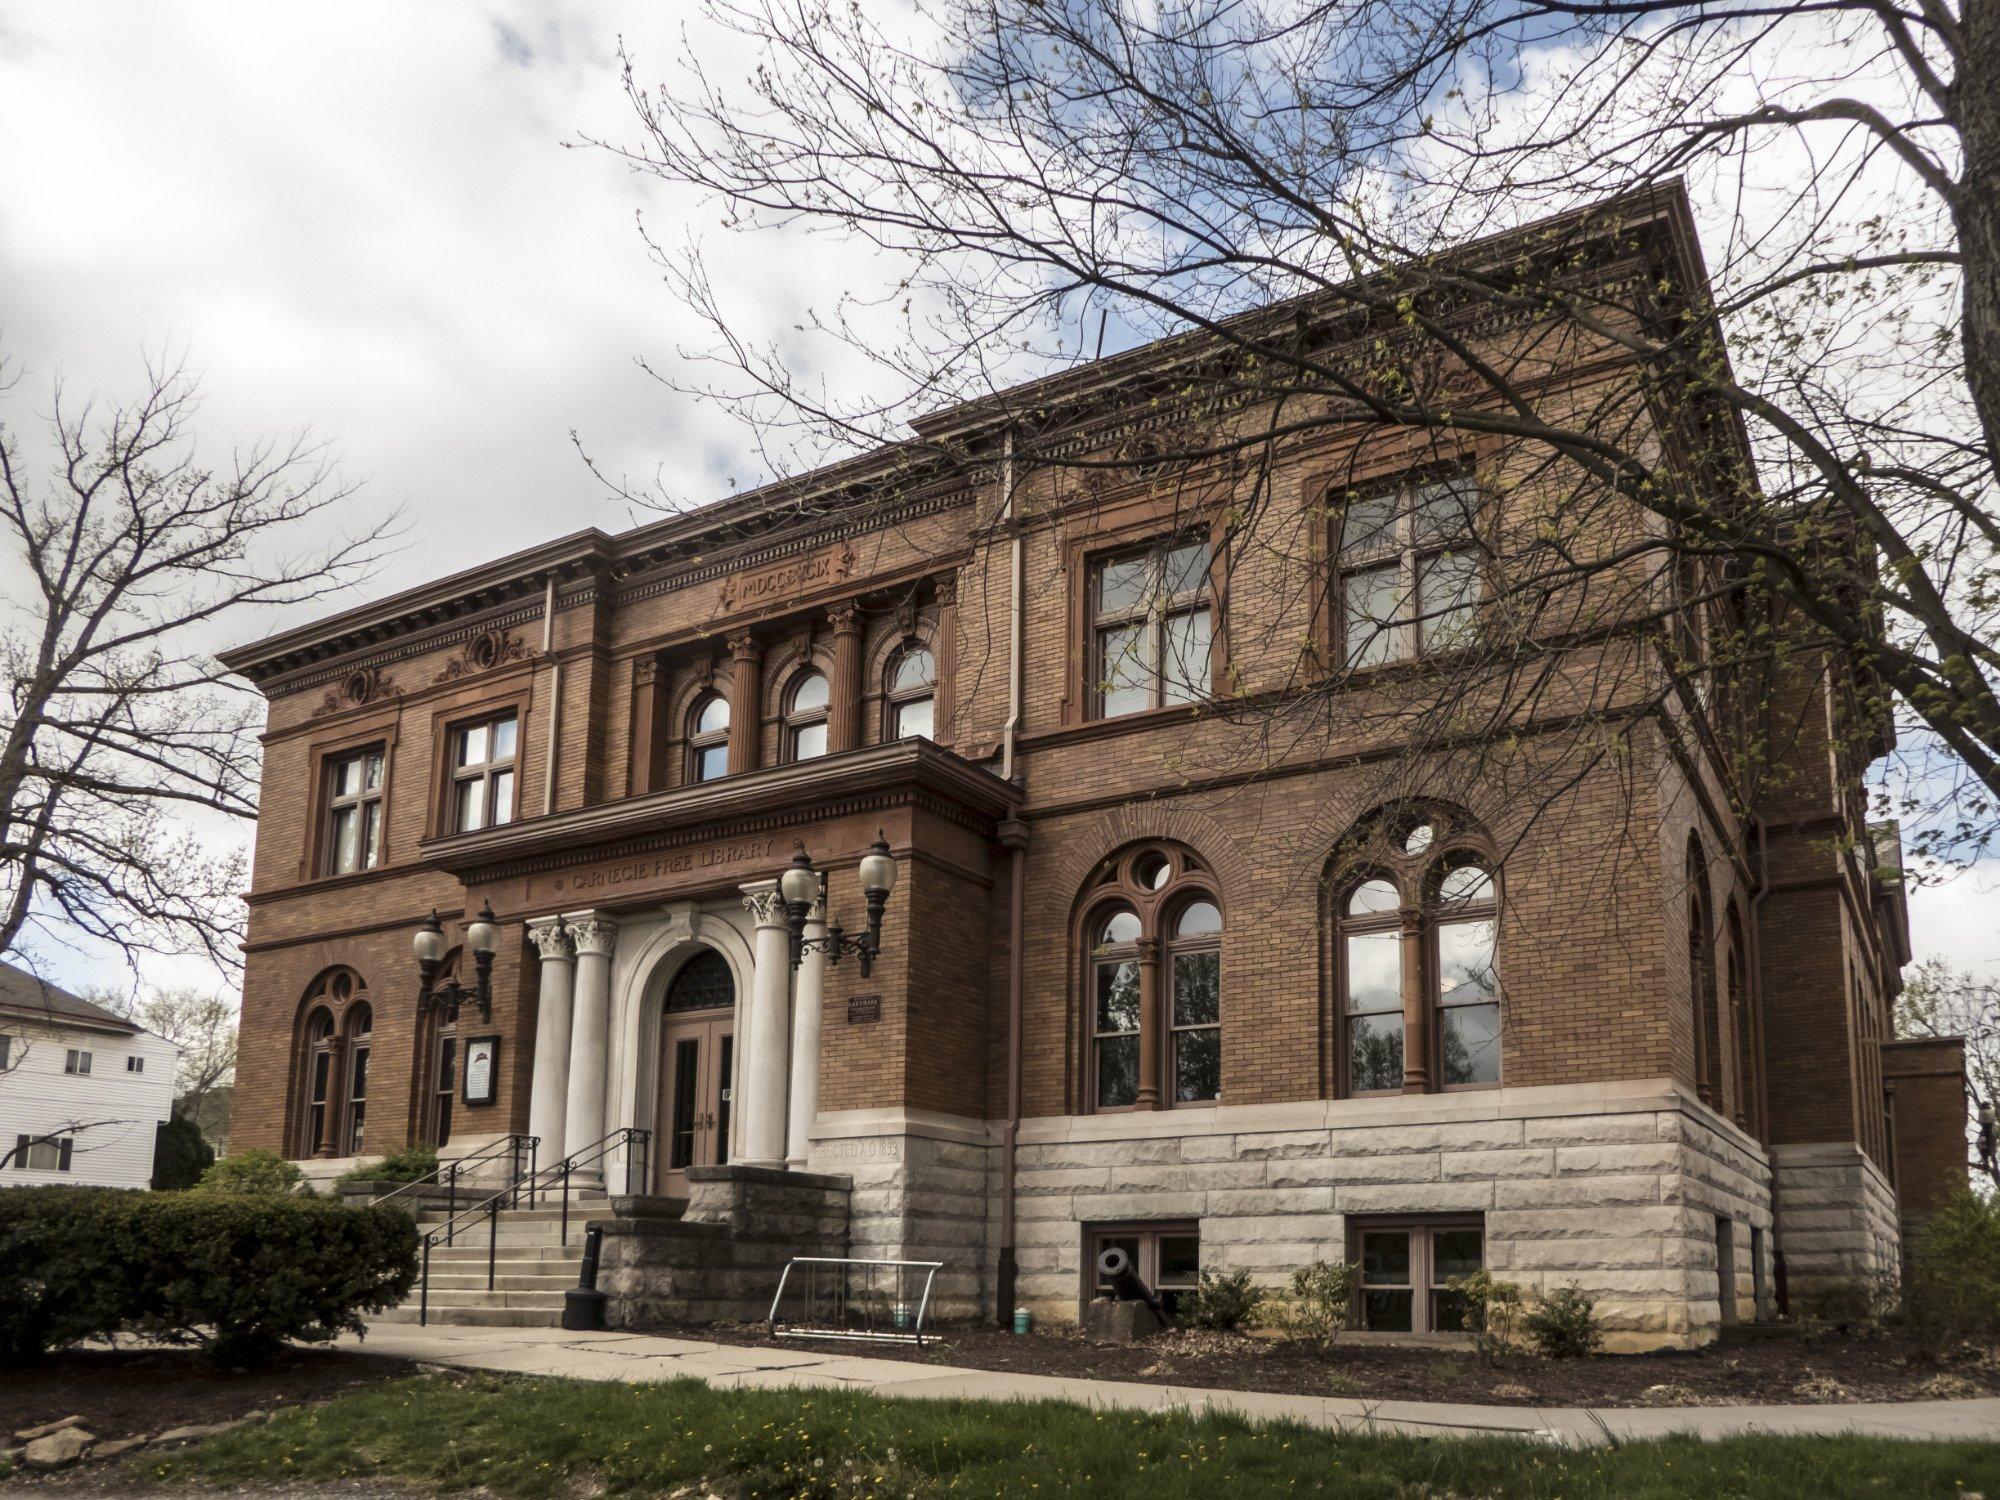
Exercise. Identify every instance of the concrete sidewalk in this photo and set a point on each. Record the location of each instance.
(639, 1357)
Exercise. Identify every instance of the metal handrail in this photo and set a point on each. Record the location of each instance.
(446, 1174)
(532, 1184)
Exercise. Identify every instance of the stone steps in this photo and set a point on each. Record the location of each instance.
(532, 1269)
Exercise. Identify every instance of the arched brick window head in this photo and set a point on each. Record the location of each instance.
(1152, 936)
(1416, 980)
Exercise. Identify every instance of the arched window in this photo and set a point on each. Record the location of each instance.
(334, 1044)
(805, 716)
(703, 983)
(1749, 1110)
(708, 738)
(910, 693)
(359, 1032)
(436, 1085)
(319, 1084)
(1416, 977)
(1153, 935)
(1701, 981)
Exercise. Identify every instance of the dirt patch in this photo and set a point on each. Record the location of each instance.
(123, 1392)
(1796, 1370)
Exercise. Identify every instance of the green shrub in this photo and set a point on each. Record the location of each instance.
(1321, 1302)
(1954, 1287)
(1853, 1304)
(411, 1164)
(180, 1155)
(240, 1273)
(1563, 1324)
(1224, 1301)
(252, 1172)
(1492, 1311)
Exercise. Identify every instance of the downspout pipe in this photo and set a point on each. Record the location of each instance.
(1013, 838)
(1012, 730)
(555, 694)
(1780, 1290)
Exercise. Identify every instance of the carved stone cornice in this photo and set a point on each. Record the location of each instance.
(362, 686)
(906, 772)
(482, 653)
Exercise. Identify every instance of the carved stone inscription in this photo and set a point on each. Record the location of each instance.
(743, 590)
(647, 868)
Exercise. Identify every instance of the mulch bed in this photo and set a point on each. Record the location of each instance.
(123, 1392)
(1776, 1370)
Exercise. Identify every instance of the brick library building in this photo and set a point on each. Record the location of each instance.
(995, 855)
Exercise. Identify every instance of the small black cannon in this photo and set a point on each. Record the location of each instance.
(1119, 1317)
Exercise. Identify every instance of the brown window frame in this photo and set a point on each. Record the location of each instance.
(1402, 546)
(895, 699)
(699, 741)
(1417, 920)
(1154, 612)
(357, 1030)
(793, 721)
(1424, 1286)
(1126, 884)
(362, 802)
(337, 995)
(486, 772)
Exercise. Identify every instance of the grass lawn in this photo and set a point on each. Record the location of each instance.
(521, 1437)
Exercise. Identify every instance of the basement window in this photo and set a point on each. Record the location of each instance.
(1405, 1265)
(1167, 1257)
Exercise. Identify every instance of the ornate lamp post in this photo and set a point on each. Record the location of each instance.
(1989, 1156)
(801, 885)
(481, 936)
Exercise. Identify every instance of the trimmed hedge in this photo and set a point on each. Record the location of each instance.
(241, 1273)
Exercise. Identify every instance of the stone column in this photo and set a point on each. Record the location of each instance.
(843, 720)
(807, 993)
(548, 1093)
(649, 727)
(746, 701)
(589, 1038)
(763, 1065)
(1151, 1026)
(1416, 1022)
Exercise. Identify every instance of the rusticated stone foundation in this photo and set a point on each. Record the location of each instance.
(1836, 1216)
(717, 1257)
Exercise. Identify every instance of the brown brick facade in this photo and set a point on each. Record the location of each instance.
(1770, 1022)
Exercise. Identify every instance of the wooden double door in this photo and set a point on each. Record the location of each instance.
(697, 1052)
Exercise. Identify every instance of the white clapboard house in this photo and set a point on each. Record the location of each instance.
(82, 1091)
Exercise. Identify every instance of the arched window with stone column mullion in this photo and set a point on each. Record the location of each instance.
(1415, 911)
(1151, 933)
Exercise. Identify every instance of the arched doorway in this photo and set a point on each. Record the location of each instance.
(697, 1053)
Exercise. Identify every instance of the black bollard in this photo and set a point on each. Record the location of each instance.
(583, 1304)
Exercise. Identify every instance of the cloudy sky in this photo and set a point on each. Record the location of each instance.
(363, 219)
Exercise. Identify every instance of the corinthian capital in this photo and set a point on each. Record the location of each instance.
(555, 941)
(768, 907)
(596, 935)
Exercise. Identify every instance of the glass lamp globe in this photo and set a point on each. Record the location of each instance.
(878, 867)
(482, 935)
(799, 885)
(429, 940)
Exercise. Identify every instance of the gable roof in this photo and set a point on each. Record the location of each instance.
(22, 993)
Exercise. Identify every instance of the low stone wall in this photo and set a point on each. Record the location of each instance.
(1837, 1218)
(716, 1257)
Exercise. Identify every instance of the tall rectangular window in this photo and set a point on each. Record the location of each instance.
(482, 774)
(1409, 582)
(1151, 627)
(354, 812)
